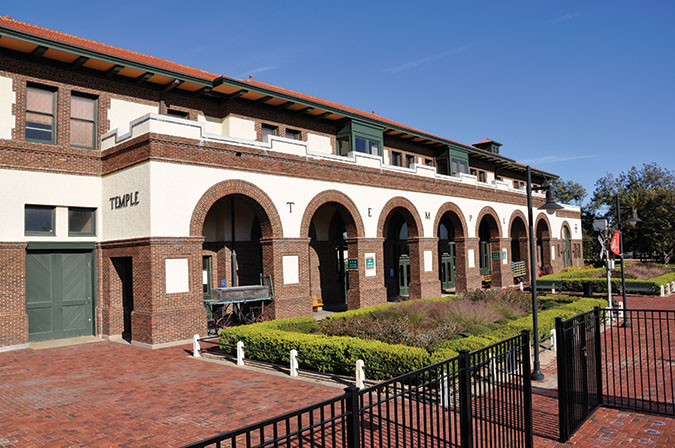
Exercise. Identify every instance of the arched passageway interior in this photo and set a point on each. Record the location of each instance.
(232, 230)
(567, 247)
(543, 248)
(447, 259)
(488, 241)
(397, 273)
(519, 249)
(329, 229)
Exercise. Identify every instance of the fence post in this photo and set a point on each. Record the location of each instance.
(554, 341)
(353, 417)
(465, 413)
(663, 291)
(240, 353)
(294, 362)
(360, 374)
(521, 286)
(527, 389)
(561, 365)
(598, 356)
(195, 346)
(672, 285)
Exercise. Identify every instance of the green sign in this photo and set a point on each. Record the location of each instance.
(352, 263)
(495, 255)
(370, 263)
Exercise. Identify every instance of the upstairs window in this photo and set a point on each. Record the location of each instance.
(40, 123)
(367, 146)
(482, 176)
(459, 167)
(268, 130)
(178, 113)
(39, 220)
(429, 162)
(293, 134)
(409, 161)
(396, 158)
(83, 121)
(473, 172)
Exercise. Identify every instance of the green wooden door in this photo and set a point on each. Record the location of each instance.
(59, 294)
(404, 275)
(485, 258)
(448, 269)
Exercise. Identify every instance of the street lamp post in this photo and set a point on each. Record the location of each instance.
(550, 205)
(633, 220)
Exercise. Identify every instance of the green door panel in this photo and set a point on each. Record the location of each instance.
(59, 294)
(485, 258)
(448, 269)
(404, 275)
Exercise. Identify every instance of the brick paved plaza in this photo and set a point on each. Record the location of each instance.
(111, 394)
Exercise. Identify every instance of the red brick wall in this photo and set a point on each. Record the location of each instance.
(13, 317)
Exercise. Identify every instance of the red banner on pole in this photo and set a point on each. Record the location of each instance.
(615, 243)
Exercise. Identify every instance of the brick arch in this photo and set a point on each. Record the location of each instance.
(354, 224)
(569, 229)
(542, 217)
(485, 211)
(461, 229)
(412, 218)
(521, 215)
(264, 208)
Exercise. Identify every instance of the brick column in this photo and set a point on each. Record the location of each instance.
(291, 299)
(366, 290)
(423, 283)
(13, 317)
(557, 264)
(468, 278)
(502, 274)
(158, 317)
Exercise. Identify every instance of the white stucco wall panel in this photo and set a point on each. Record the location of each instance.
(239, 128)
(319, 143)
(176, 275)
(18, 188)
(130, 221)
(212, 125)
(174, 201)
(7, 100)
(121, 112)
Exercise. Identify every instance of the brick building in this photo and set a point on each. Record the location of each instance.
(127, 181)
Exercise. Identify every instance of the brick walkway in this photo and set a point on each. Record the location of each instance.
(607, 427)
(110, 394)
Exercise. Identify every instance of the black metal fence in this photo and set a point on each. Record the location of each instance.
(482, 398)
(615, 358)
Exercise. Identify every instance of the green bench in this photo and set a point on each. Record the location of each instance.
(549, 285)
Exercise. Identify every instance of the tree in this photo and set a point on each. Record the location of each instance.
(568, 192)
(650, 190)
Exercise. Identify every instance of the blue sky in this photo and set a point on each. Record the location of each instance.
(578, 88)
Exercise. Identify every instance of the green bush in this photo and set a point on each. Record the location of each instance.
(663, 279)
(317, 351)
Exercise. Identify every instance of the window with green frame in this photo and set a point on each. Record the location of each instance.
(81, 221)
(40, 114)
(39, 220)
(83, 120)
(367, 146)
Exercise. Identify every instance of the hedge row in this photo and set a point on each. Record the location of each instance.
(546, 323)
(317, 351)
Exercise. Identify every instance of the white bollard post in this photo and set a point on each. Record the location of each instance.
(663, 291)
(294, 362)
(672, 285)
(619, 313)
(521, 286)
(195, 346)
(554, 343)
(360, 374)
(240, 353)
(493, 364)
(667, 289)
(552, 290)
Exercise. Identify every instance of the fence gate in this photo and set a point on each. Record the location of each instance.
(579, 370)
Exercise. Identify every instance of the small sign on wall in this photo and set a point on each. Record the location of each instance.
(471, 257)
(495, 255)
(552, 253)
(291, 269)
(353, 264)
(176, 275)
(505, 256)
(369, 257)
(428, 261)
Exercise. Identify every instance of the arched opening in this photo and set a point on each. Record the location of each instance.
(329, 228)
(543, 248)
(397, 228)
(488, 232)
(567, 247)
(233, 256)
(519, 249)
(448, 228)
